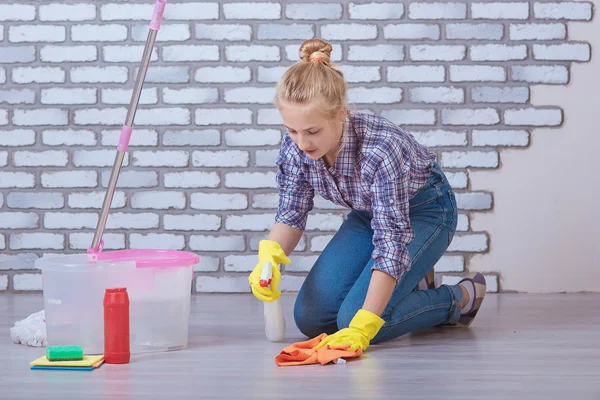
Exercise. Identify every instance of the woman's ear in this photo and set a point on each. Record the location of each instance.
(342, 113)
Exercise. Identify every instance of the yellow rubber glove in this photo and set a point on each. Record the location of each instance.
(362, 329)
(268, 251)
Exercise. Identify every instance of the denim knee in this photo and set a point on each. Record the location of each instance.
(308, 318)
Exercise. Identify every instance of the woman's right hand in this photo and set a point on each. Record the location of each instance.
(268, 251)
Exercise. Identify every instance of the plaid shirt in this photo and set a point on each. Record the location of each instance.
(379, 169)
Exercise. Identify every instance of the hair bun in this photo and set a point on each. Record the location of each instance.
(316, 48)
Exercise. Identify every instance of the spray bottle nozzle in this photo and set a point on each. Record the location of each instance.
(266, 275)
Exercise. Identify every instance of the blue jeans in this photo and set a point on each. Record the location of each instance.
(336, 287)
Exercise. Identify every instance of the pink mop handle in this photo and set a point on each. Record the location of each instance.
(124, 139)
(157, 15)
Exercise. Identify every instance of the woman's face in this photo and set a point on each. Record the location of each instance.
(315, 135)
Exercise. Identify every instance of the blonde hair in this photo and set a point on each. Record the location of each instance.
(313, 78)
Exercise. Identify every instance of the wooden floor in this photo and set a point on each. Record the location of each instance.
(520, 347)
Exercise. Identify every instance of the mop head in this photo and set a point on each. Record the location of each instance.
(31, 331)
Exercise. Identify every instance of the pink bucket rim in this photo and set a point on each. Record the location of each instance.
(151, 258)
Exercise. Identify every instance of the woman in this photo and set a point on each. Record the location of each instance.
(361, 289)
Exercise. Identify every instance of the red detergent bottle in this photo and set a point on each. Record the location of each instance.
(116, 326)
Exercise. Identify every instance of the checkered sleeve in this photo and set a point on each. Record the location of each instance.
(296, 195)
(390, 223)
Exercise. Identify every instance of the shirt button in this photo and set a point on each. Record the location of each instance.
(391, 201)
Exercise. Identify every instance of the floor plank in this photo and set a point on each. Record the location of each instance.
(520, 346)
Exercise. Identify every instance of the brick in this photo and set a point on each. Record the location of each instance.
(246, 95)
(207, 264)
(348, 31)
(123, 96)
(25, 96)
(385, 95)
(477, 73)
(466, 159)
(205, 137)
(96, 158)
(313, 11)
(69, 96)
(463, 223)
(167, 75)
(192, 11)
(2, 70)
(292, 52)
(437, 95)
(249, 222)
(450, 264)
(125, 12)
(17, 137)
(100, 116)
(197, 222)
(162, 158)
(440, 137)
(184, 52)
(497, 52)
(500, 10)
(164, 241)
(230, 32)
(474, 201)
(575, 11)
(269, 117)
(376, 11)
(256, 10)
(410, 117)
(217, 243)
(414, 73)
(70, 220)
(476, 242)
(437, 52)
(500, 138)
(17, 12)
(168, 32)
(245, 53)
(250, 180)
(17, 54)
(458, 180)
(62, 54)
(562, 52)
(163, 116)
(285, 31)
(506, 94)
(126, 53)
(83, 240)
(300, 264)
(537, 31)
(219, 201)
(40, 116)
(3, 163)
(190, 95)
(252, 137)
(84, 200)
(474, 31)
(318, 243)
(120, 220)
(69, 179)
(99, 74)
(2, 242)
(265, 201)
(27, 282)
(356, 74)
(444, 10)
(49, 158)
(378, 52)
(20, 180)
(239, 263)
(3, 278)
(3, 117)
(324, 222)
(555, 74)
(266, 158)
(26, 200)
(98, 33)
(411, 31)
(220, 116)
(19, 220)
(224, 284)
(35, 241)
(140, 137)
(38, 75)
(223, 74)
(36, 33)
(67, 12)
(191, 179)
(224, 158)
(533, 117)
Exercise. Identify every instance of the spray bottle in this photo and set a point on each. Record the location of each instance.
(273, 313)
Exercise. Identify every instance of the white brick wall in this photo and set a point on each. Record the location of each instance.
(199, 174)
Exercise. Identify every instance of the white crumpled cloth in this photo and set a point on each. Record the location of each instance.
(30, 331)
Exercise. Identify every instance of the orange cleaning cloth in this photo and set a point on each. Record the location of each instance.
(304, 353)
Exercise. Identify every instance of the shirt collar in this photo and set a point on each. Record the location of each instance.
(346, 159)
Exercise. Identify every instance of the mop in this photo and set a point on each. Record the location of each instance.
(31, 331)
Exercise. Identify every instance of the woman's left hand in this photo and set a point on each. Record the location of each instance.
(362, 329)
